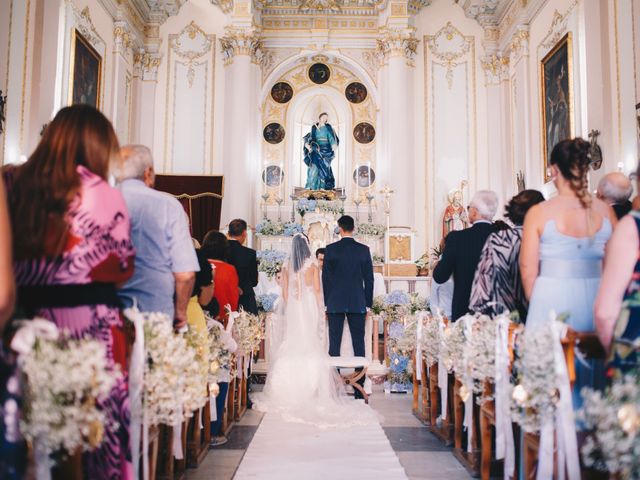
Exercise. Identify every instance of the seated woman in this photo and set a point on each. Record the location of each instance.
(226, 290)
(617, 311)
(497, 286)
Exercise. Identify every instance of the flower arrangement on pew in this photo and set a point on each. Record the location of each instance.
(430, 341)
(173, 378)
(64, 380)
(220, 355)
(248, 330)
(614, 418)
(397, 304)
(401, 343)
(452, 348)
(270, 261)
(535, 394)
(198, 375)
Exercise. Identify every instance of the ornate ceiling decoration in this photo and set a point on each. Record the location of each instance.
(486, 12)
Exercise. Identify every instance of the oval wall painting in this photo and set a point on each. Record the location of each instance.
(273, 133)
(282, 92)
(272, 176)
(356, 92)
(319, 73)
(364, 132)
(364, 176)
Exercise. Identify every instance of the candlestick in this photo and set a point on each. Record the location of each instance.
(386, 192)
(358, 201)
(265, 197)
(279, 201)
(293, 207)
(357, 180)
(370, 198)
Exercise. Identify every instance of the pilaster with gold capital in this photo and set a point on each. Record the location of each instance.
(145, 65)
(496, 68)
(242, 41)
(519, 46)
(123, 37)
(397, 43)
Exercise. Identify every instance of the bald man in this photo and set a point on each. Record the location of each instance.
(615, 188)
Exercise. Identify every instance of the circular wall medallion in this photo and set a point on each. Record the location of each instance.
(272, 176)
(364, 176)
(364, 132)
(273, 133)
(282, 92)
(319, 73)
(355, 92)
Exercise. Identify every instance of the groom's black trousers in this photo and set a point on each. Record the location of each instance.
(356, 327)
(356, 323)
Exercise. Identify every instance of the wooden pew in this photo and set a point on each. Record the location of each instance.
(444, 431)
(198, 438)
(421, 399)
(470, 460)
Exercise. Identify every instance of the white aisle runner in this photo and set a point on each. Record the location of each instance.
(285, 450)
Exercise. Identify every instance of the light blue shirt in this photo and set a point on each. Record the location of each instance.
(161, 237)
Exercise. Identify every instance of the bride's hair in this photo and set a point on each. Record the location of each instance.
(300, 252)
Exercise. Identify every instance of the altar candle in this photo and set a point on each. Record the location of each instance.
(369, 173)
(357, 180)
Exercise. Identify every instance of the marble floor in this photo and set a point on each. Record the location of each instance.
(421, 454)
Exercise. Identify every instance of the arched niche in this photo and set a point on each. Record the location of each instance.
(296, 116)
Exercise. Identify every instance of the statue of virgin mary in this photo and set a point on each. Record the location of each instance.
(319, 151)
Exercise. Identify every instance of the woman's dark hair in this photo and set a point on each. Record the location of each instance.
(216, 246)
(204, 277)
(300, 245)
(572, 159)
(499, 226)
(44, 186)
(520, 204)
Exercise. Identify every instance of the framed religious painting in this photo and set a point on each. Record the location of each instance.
(86, 72)
(556, 87)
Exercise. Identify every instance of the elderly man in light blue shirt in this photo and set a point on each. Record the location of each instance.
(166, 261)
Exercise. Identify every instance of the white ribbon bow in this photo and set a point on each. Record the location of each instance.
(468, 383)
(420, 318)
(443, 383)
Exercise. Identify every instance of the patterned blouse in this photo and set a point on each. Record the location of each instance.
(497, 284)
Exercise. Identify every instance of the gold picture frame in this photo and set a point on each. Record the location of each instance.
(556, 98)
(85, 77)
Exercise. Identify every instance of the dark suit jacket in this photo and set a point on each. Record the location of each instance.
(460, 258)
(622, 209)
(347, 277)
(244, 259)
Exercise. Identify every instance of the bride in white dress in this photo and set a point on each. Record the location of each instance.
(301, 384)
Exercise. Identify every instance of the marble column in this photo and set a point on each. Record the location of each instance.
(397, 49)
(241, 49)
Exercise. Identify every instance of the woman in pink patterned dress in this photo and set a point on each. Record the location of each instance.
(73, 248)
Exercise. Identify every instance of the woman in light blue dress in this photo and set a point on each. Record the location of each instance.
(562, 250)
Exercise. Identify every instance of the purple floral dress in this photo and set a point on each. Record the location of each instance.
(99, 253)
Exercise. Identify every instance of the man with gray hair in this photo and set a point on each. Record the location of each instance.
(462, 250)
(615, 188)
(166, 261)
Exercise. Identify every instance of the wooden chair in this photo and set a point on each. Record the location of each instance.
(589, 345)
(470, 460)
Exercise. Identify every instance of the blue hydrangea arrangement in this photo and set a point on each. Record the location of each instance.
(270, 261)
(266, 302)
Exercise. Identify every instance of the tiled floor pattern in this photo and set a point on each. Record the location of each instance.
(421, 454)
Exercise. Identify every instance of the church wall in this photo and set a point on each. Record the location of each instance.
(450, 117)
(189, 103)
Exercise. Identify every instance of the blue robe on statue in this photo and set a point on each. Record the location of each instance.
(322, 139)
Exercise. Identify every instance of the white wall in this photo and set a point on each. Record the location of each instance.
(188, 122)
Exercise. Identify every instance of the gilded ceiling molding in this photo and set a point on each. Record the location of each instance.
(496, 68)
(145, 65)
(243, 41)
(479, 8)
(190, 45)
(449, 46)
(397, 43)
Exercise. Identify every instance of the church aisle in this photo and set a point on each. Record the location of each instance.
(421, 455)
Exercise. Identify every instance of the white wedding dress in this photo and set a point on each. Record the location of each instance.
(301, 384)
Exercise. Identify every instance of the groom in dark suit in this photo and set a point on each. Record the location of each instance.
(347, 280)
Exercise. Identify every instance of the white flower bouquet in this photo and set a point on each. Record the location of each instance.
(270, 261)
(430, 341)
(63, 382)
(248, 330)
(535, 396)
(172, 381)
(481, 351)
(197, 375)
(452, 347)
(614, 418)
(220, 355)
